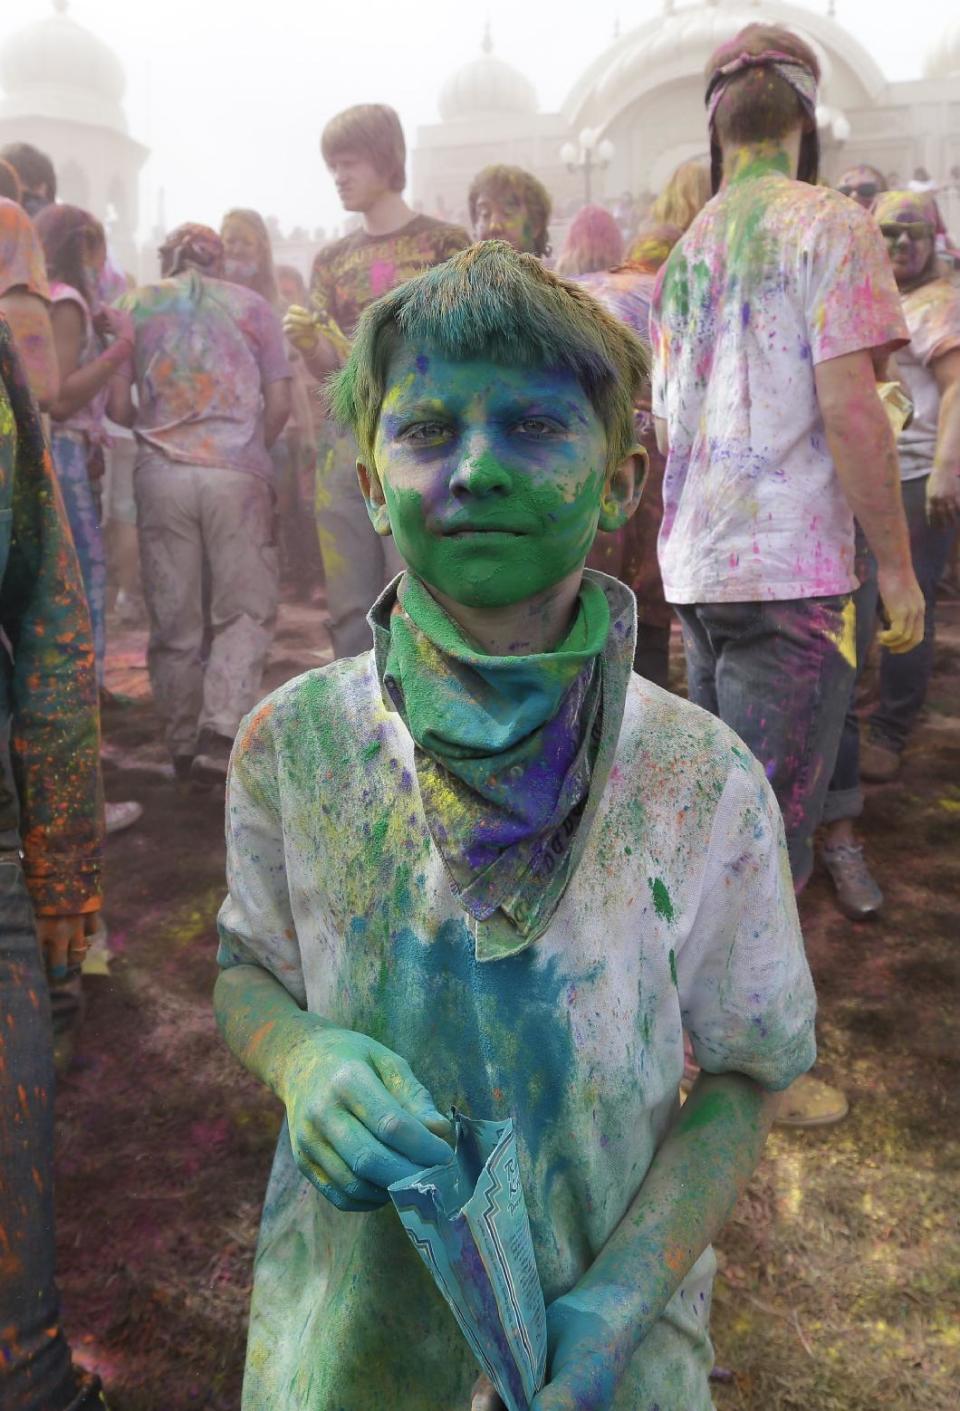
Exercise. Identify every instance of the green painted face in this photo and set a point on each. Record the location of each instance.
(492, 475)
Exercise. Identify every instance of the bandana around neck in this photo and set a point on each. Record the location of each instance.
(507, 748)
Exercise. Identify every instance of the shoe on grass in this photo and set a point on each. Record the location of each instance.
(878, 762)
(211, 760)
(858, 895)
(122, 815)
(809, 1102)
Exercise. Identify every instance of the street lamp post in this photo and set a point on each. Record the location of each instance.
(588, 154)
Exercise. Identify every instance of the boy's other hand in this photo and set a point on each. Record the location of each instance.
(904, 606)
(358, 1117)
(585, 1356)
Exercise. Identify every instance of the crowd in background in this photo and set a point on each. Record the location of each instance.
(200, 474)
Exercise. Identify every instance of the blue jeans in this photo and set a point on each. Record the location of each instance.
(774, 672)
(845, 796)
(905, 677)
(35, 1369)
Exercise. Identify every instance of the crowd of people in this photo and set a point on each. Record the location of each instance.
(453, 839)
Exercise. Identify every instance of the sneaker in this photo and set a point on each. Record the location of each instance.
(858, 895)
(878, 762)
(808, 1102)
(122, 815)
(211, 760)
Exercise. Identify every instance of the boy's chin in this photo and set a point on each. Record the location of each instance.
(490, 593)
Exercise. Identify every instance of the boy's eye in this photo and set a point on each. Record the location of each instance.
(419, 432)
(538, 426)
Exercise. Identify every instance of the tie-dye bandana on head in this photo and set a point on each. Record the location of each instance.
(506, 748)
(801, 79)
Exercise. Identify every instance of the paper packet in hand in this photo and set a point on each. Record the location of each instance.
(468, 1221)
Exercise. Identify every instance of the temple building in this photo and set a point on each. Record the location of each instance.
(639, 105)
(62, 88)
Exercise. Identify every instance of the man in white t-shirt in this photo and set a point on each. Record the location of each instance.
(771, 319)
(929, 454)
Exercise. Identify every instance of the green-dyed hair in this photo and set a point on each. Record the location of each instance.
(490, 302)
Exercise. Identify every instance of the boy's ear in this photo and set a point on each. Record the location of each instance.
(622, 490)
(374, 499)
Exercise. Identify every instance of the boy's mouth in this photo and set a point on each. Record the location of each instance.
(468, 532)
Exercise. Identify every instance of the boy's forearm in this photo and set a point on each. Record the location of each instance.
(947, 458)
(260, 1021)
(699, 1170)
(865, 455)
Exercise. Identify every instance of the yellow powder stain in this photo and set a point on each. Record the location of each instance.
(845, 640)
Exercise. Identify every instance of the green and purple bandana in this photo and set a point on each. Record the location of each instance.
(511, 752)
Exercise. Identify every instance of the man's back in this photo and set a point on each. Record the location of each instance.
(773, 277)
(204, 349)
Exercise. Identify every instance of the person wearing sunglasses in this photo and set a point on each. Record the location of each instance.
(929, 455)
(862, 184)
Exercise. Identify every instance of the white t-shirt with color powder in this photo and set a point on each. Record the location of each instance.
(773, 277)
(933, 318)
(680, 915)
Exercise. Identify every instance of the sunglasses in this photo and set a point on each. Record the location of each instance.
(867, 190)
(913, 230)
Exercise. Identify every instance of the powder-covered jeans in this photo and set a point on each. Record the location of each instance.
(70, 457)
(905, 676)
(775, 673)
(357, 562)
(35, 1370)
(194, 519)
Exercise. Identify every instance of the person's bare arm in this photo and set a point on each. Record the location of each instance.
(865, 455)
(277, 399)
(79, 385)
(120, 407)
(943, 487)
(699, 1170)
(29, 320)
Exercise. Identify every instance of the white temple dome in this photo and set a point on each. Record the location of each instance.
(679, 40)
(484, 86)
(943, 57)
(57, 68)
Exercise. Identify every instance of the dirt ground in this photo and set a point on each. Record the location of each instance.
(840, 1270)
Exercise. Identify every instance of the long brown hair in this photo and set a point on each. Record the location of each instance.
(66, 234)
(265, 282)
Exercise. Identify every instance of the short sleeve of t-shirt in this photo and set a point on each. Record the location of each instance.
(934, 320)
(851, 300)
(746, 994)
(255, 923)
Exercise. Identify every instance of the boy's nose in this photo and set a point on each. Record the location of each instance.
(479, 471)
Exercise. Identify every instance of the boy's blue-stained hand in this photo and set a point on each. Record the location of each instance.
(358, 1118)
(584, 1363)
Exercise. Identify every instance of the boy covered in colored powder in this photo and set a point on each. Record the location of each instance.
(486, 866)
(365, 153)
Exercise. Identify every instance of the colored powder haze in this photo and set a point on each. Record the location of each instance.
(231, 97)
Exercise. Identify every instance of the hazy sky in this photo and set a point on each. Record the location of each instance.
(230, 95)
